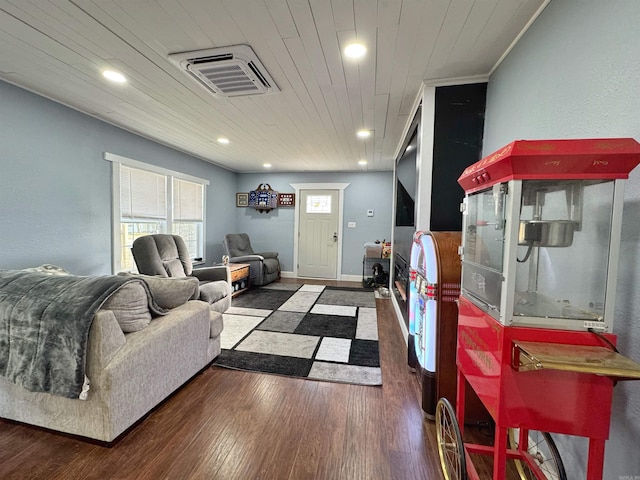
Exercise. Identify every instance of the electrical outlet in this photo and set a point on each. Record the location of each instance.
(369, 213)
(351, 225)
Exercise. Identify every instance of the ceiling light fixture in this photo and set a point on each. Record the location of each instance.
(266, 165)
(355, 50)
(364, 133)
(223, 140)
(362, 162)
(114, 76)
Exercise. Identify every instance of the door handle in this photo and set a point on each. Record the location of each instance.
(335, 236)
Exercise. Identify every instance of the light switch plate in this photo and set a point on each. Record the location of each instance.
(351, 225)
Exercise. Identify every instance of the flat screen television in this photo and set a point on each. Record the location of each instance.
(405, 207)
(405, 214)
(406, 189)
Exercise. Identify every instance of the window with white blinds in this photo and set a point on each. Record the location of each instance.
(148, 200)
(188, 218)
(143, 195)
(187, 201)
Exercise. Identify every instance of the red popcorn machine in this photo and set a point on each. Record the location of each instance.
(542, 223)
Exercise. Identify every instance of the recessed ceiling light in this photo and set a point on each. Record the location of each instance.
(266, 165)
(362, 162)
(409, 147)
(355, 50)
(223, 140)
(114, 76)
(364, 133)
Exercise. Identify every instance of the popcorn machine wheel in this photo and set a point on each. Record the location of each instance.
(540, 447)
(542, 223)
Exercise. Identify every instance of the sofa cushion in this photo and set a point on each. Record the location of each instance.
(211, 292)
(215, 319)
(174, 268)
(130, 306)
(170, 292)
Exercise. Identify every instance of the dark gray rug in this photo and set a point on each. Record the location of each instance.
(307, 331)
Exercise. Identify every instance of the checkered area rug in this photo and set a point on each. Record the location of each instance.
(308, 331)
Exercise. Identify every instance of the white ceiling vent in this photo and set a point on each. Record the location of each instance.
(228, 72)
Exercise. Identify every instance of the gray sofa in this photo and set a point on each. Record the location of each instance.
(129, 372)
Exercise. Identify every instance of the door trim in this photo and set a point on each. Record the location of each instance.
(296, 226)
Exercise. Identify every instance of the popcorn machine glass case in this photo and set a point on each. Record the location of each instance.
(562, 237)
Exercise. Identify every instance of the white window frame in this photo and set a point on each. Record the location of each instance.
(117, 161)
(325, 208)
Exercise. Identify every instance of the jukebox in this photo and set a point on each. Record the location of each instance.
(434, 288)
(425, 289)
(541, 234)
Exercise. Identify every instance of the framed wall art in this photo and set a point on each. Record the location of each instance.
(242, 199)
(263, 198)
(286, 199)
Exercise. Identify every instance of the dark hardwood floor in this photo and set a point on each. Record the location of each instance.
(227, 424)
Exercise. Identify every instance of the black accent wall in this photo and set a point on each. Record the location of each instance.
(458, 130)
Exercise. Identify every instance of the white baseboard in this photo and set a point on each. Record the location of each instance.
(400, 318)
(351, 278)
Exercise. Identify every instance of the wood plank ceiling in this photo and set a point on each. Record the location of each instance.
(58, 48)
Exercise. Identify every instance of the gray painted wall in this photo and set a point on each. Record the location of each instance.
(575, 74)
(274, 231)
(55, 192)
(55, 186)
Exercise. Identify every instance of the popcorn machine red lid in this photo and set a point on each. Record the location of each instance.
(604, 158)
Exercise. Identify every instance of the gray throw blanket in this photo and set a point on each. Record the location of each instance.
(44, 327)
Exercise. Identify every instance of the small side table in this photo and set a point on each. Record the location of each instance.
(239, 277)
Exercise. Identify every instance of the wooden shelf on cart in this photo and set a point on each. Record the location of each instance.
(574, 358)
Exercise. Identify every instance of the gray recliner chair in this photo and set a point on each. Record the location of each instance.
(166, 255)
(264, 267)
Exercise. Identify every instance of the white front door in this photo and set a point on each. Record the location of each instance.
(318, 233)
